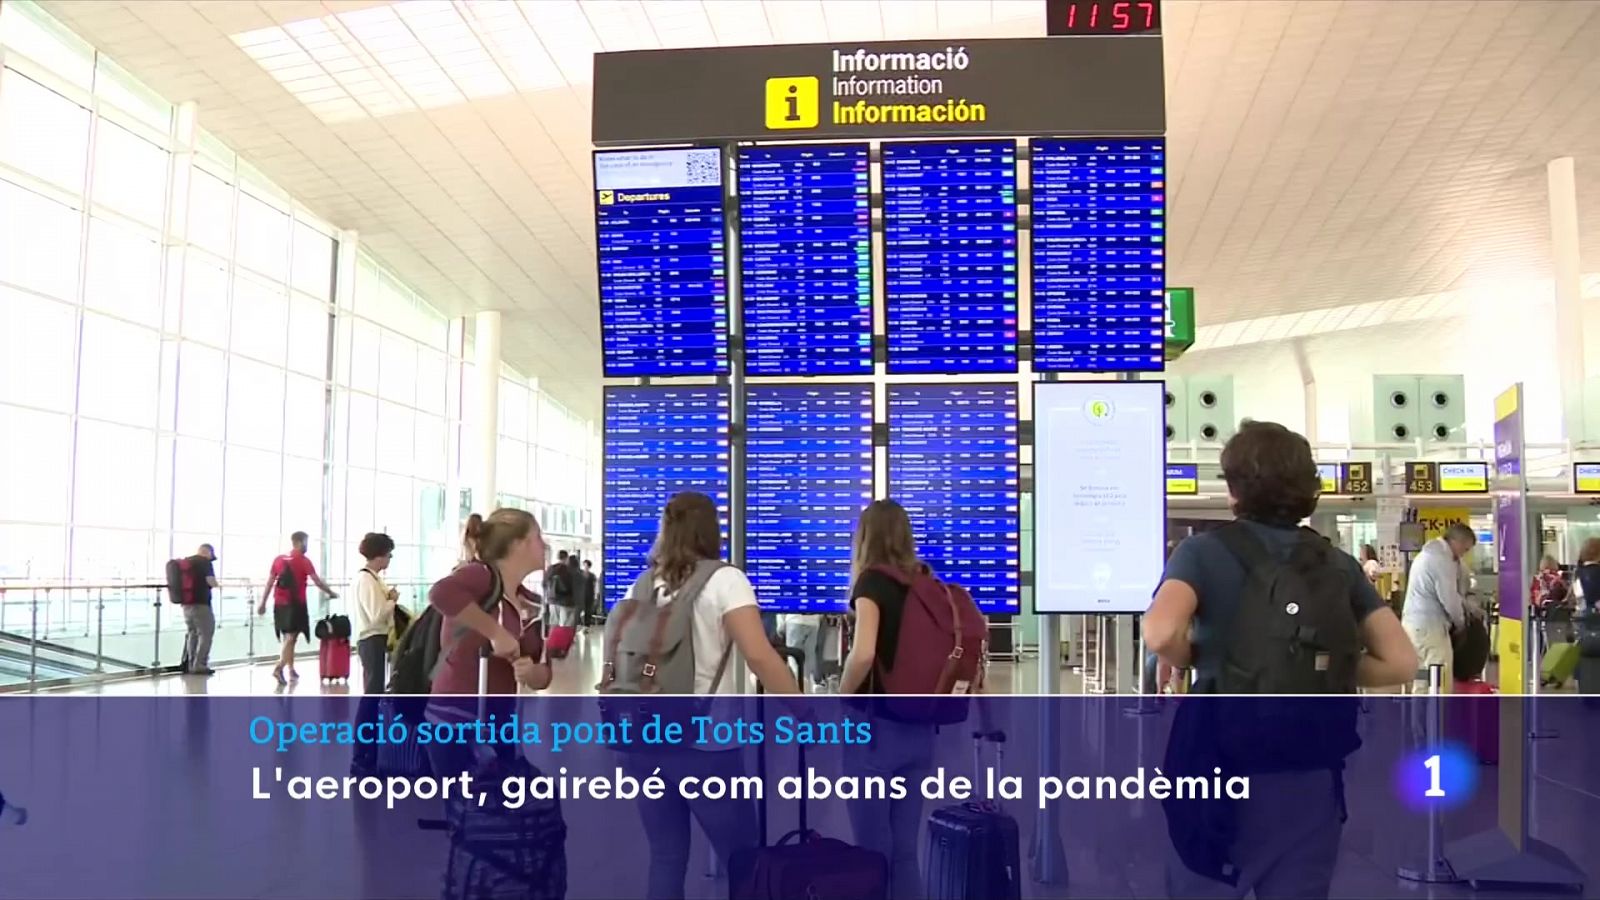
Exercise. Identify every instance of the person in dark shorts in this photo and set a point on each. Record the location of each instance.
(291, 618)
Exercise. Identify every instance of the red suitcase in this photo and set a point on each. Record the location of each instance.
(558, 643)
(333, 658)
(1473, 720)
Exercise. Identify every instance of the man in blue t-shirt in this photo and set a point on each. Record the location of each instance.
(1287, 836)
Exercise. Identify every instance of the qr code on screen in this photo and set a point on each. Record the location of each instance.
(703, 168)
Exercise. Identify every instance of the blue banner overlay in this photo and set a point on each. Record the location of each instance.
(254, 796)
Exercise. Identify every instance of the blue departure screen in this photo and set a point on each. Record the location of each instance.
(805, 249)
(808, 475)
(663, 266)
(950, 256)
(658, 441)
(953, 464)
(1099, 255)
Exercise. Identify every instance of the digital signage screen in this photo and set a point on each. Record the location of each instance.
(808, 474)
(1586, 478)
(1183, 478)
(1447, 477)
(805, 251)
(659, 440)
(1100, 503)
(950, 256)
(659, 232)
(1464, 478)
(1098, 247)
(953, 464)
(1353, 478)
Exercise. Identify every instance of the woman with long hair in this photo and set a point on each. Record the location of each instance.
(485, 605)
(883, 563)
(686, 568)
(471, 534)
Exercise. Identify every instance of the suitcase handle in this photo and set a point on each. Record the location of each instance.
(998, 739)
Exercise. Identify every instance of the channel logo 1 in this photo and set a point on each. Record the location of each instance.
(792, 102)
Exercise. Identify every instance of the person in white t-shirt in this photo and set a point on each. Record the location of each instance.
(726, 617)
(374, 606)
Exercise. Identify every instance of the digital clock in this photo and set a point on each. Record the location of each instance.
(1064, 17)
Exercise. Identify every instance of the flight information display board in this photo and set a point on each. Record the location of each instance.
(805, 249)
(808, 474)
(950, 256)
(953, 464)
(663, 264)
(659, 440)
(1099, 254)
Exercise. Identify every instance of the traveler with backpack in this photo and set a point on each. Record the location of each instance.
(675, 633)
(908, 627)
(1263, 606)
(560, 592)
(190, 582)
(291, 618)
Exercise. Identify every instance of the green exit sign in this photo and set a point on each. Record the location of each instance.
(1180, 321)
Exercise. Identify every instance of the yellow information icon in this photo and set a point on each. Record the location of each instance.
(792, 102)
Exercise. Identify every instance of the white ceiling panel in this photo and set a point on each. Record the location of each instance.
(1325, 156)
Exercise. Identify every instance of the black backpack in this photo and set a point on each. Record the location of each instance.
(417, 653)
(558, 584)
(1294, 632)
(286, 580)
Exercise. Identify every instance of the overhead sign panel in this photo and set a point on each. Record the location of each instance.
(659, 440)
(1346, 477)
(805, 241)
(663, 267)
(1447, 477)
(808, 475)
(954, 466)
(1183, 478)
(1091, 85)
(1099, 254)
(950, 256)
(1586, 478)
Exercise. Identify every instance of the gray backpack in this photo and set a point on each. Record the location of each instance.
(649, 647)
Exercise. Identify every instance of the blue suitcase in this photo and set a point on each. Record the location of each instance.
(973, 849)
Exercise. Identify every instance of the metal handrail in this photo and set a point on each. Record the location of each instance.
(141, 584)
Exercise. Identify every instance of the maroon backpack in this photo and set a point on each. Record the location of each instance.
(941, 650)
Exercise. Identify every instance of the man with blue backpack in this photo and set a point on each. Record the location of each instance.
(1265, 606)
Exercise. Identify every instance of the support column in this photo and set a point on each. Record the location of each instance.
(1567, 270)
(486, 357)
(1308, 382)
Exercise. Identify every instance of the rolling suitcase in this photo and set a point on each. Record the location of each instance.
(403, 759)
(1560, 663)
(973, 850)
(498, 853)
(803, 865)
(1474, 722)
(333, 659)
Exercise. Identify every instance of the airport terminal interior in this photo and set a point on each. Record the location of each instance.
(351, 266)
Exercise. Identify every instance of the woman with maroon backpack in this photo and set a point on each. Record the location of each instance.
(916, 637)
